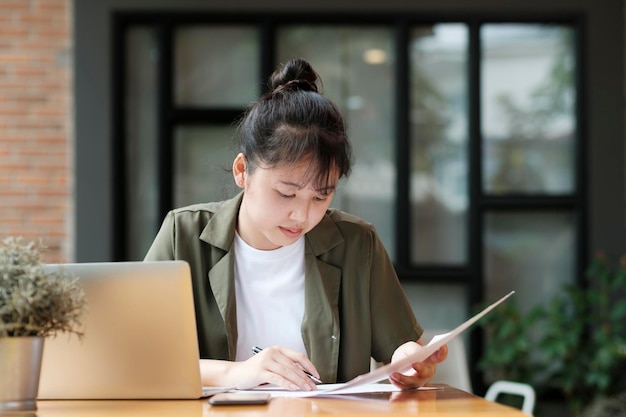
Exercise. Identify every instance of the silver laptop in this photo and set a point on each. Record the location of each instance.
(140, 337)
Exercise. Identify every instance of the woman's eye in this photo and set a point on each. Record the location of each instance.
(286, 195)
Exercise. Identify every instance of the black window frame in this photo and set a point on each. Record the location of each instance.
(472, 273)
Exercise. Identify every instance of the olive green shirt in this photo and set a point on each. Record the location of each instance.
(355, 307)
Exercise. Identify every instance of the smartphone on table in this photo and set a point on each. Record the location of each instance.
(233, 398)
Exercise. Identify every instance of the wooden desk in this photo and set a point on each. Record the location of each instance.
(445, 402)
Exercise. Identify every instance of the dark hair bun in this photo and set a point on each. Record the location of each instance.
(295, 74)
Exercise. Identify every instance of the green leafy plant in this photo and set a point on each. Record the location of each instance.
(576, 343)
(510, 348)
(35, 301)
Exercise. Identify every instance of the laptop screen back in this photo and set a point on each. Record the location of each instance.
(140, 337)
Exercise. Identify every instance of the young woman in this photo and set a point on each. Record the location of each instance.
(276, 268)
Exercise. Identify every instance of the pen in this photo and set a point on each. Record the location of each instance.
(256, 350)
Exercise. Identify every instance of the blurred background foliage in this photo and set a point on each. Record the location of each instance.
(574, 344)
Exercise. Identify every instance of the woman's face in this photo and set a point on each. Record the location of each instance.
(280, 204)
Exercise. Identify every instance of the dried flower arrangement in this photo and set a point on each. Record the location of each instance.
(33, 300)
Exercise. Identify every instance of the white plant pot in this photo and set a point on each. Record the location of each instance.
(20, 367)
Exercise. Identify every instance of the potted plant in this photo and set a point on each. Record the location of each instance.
(35, 303)
(575, 344)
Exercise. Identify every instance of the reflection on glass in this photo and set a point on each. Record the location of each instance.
(216, 66)
(357, 67)
(203, 158)
(141, 144)
(529, 252)
(439, 143)
(528, 97)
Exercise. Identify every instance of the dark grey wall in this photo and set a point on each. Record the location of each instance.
(604, 71)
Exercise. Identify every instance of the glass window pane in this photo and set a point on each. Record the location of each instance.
(529, 252)
(439, 141)
(141, 145)
(216, 66)
(203, 158)
(357, 67)
(438, 307)
(528, 97)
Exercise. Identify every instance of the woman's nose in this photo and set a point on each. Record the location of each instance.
(299, 212)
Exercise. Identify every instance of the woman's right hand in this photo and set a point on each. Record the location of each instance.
(273, 365)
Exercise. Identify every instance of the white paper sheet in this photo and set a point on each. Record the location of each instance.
(330, 389)
(404, 364)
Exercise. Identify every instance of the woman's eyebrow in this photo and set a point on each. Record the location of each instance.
(292, 184)
(326, 190)
(322, 190)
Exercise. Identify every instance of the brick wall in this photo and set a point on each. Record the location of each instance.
(35, 124)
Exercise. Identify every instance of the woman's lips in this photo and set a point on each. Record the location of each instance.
(291, 232)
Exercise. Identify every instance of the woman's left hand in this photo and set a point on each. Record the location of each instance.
(420, 372)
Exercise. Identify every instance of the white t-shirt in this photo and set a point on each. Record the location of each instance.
(269, 289)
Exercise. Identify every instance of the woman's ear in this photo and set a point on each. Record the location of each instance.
(239, 170)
